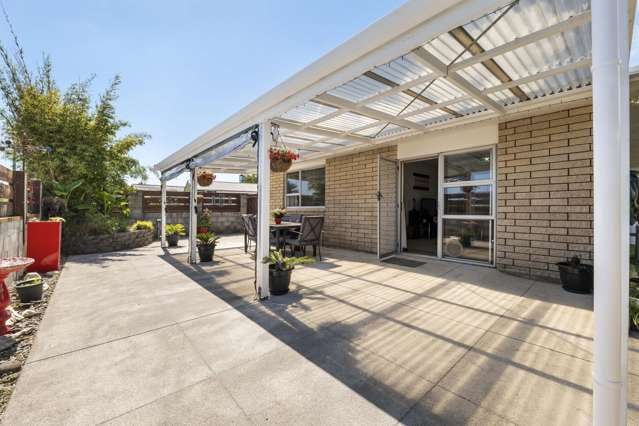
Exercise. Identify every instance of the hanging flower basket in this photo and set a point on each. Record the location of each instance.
(205, 177)
(281, 158)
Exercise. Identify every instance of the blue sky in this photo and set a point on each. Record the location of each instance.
(186, 65)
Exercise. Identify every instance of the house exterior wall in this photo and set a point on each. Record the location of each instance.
(350, 211)
(544, 201)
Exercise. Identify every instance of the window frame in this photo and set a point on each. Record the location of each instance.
(299, 185)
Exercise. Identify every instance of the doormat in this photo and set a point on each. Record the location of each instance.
(399, 261)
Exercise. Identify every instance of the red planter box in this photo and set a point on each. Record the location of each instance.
(44, 241)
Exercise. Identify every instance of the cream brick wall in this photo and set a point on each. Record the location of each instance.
(350, 200)
(544, 201)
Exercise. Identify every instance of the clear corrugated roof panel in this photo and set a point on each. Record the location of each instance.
(348, 121)
(308, 112)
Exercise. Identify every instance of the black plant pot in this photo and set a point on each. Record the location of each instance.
(29, 291)
(279, 281)
(172, 240)
(206, 253)
(576, 278)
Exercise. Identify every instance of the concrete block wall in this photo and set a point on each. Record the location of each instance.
(544, 201)
(350, 199)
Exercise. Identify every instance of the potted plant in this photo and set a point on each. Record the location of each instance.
(206, 243)
(204, 221)
(280, 269)
(634, 305)
(278, 214)
(173, 233)
(205, 177)
(576, 277)
(281, 158)
(29, 289)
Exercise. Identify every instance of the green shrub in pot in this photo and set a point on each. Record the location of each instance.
(281, 268)
(206, 242)
(142, 225)
(173, 232)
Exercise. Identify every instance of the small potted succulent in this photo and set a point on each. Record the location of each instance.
(173, 233)
(30, 288)
(280, 270)
(206, 243)
(576, 277)
(204, 221)
(278, 214)
(281, 158)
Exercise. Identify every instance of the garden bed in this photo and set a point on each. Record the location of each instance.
(25, 321)
(82, 244)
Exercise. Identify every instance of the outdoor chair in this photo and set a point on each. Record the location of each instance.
(310, 234)
(250, 230)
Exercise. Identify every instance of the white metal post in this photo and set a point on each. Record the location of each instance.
(193, 217)
(263, 209)
(162, 212)
(611, 181)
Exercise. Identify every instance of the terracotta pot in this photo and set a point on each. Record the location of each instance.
(278, 220)
(281, 165)
(205, 177)
(202, 229)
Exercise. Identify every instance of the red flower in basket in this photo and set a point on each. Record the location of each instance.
(281, 158)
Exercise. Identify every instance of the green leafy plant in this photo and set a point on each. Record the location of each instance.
(278, 213)
(207, 239)
(248, 178)
(278, 261)
(634, 313)
(175, 229)
(205, 218)
(142, 225)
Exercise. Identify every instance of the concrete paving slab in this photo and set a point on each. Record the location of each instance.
(102, 382)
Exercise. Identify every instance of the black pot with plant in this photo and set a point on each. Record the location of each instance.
(30, 288)
(280, 270)
(173, 233)
(576, 277)
(206, 243)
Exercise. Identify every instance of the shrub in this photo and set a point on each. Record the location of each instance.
(207, 239)
(175, 229)
(142, 225)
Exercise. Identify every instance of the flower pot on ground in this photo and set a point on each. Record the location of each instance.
(204, 221)
(281, 158)
(29, 289)
(173, 233)
(278, 214)
(576, 277)
(280, 270)
(206, 243)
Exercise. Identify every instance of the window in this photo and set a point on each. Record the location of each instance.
(305, 188)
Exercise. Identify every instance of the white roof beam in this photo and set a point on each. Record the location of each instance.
(320, 132)
(432, 62)
(560, 27)
(368, 112)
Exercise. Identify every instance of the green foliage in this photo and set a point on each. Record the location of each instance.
(142, 225)
(278, 261)
(205, 218)
(249, 178)
(634, 313)
(174, 229)
(75, 146)
(207, 239)
(278, 213)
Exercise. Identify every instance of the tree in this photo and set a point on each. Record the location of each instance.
(248, 178)
(66, 141)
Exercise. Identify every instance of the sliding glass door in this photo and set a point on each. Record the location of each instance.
(467, 205)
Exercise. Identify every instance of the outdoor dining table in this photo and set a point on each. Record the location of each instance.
(279, 228)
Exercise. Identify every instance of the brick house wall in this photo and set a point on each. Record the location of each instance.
(544, 200)
(350, 209)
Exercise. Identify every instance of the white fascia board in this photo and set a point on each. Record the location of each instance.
(408, 27)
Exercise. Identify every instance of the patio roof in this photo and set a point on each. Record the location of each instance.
(424, 66)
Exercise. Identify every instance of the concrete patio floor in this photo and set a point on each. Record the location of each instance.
(140, 337)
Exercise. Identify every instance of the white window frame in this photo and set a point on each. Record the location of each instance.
(299, 194)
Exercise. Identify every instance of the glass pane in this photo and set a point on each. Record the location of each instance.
(292, 183)
(467, 166)
(312, 187)
(292, 201)
(466, 239)
(472, 200)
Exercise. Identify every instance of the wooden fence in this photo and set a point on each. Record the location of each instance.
(179, 201)
(6, 192)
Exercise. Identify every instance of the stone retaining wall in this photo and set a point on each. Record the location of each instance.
(106, 243)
